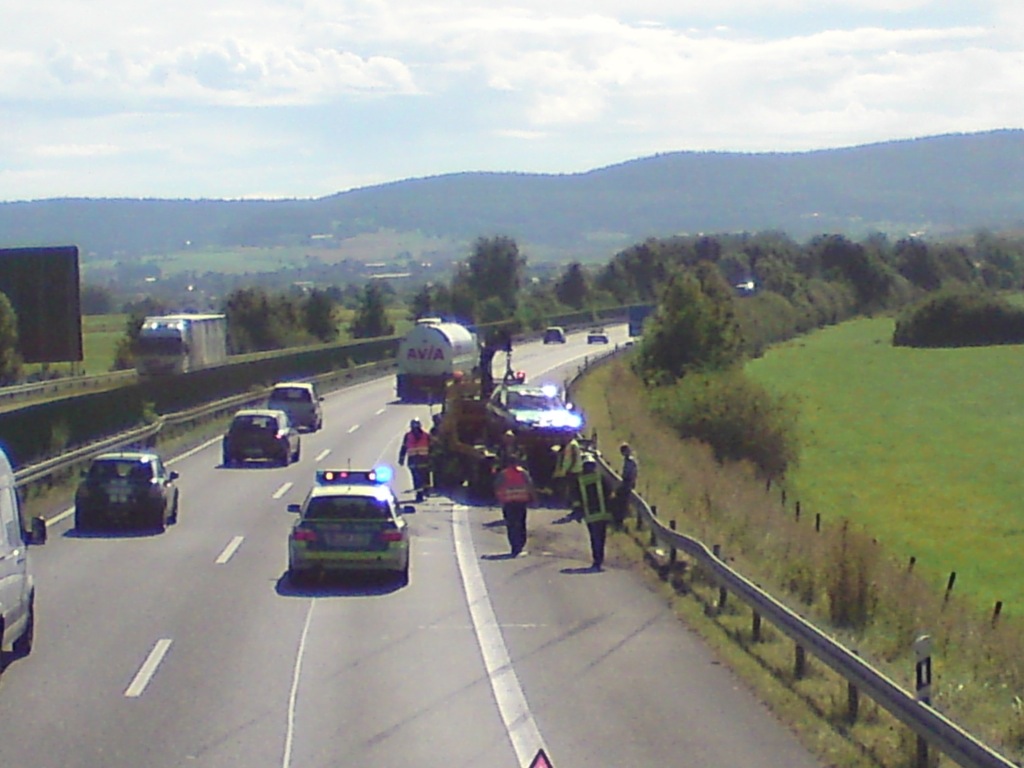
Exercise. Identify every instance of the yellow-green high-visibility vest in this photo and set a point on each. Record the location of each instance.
(592, 494)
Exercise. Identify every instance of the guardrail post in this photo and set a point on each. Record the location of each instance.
(800, 663)
(755, 630)
(923, 683)
(852, 700)
(722, 594)
(672, 555)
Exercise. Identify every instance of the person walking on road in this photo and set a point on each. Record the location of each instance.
(629, 473)
(515, 491)
(416, 448)
(593, 509)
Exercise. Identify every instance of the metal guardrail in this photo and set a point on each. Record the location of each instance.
(65, 384)
(68, 461)
(932, 726)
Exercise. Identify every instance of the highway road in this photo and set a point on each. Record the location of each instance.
(191, 648)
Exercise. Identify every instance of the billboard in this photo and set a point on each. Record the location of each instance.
(43, 287)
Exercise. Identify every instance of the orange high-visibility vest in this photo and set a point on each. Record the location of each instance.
(417, 445)
(513, 485)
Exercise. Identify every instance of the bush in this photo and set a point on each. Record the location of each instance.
(960, 318)
(738, 418)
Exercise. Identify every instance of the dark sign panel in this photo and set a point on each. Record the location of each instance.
(42, 285)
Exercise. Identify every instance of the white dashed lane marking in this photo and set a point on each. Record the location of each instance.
(148, 668)
(323, 454)
(282, 490)
(230, 550)
(353, 428)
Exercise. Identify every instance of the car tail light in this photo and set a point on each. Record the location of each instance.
(391, 536)
(304, 534)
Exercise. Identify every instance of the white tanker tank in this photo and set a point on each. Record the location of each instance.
(430, 355)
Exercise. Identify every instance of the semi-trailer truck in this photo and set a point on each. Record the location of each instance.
(174, 344)
(430, 355)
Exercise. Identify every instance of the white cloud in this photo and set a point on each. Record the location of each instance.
(381, 89)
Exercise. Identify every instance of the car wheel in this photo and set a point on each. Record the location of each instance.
(23, 645)
(297, 454)
(80, 524)
(174, 510)
(297, 577)
(228, 461)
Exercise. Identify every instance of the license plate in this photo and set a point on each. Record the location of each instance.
(119, 492)
(347, 540)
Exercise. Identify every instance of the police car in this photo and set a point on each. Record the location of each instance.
(349, 521)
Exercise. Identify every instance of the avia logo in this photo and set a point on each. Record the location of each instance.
(425, 353)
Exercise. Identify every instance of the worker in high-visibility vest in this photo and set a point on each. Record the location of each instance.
(593, 508)
(514, 489)
(568, 466)
(416, 449)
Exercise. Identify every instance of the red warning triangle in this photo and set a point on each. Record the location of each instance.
(541, 760)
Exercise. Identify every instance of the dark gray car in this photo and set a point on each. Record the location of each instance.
(263, 434)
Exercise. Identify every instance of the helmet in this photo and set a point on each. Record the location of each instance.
(415, 423)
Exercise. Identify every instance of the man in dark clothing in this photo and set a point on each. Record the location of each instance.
(593, 510)
(629, 472)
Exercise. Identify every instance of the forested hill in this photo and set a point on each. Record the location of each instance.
(933, 185)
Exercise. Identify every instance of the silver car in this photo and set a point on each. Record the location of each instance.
(300, 400)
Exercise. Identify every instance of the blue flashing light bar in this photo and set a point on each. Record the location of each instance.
(376, 476)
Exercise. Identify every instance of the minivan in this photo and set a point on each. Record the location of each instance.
(17, 589)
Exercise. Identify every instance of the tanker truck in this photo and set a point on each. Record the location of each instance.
(430, 355)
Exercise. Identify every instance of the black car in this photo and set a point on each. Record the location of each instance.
(261, 433)
(127, 490)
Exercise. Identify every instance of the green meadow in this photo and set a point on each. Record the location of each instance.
(920, 447)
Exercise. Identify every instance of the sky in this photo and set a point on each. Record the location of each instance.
(225, 99)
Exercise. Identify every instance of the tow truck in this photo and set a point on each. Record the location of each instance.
(478, 414)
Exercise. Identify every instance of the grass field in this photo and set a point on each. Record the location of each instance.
(919, 446)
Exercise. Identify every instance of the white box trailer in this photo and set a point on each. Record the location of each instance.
(173, 344)
(431, 353)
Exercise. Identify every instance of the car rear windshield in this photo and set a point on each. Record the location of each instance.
(254, 424)
(125, 469)
(291, 394)
(347, 508)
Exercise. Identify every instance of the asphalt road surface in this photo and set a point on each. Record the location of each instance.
(192, 648)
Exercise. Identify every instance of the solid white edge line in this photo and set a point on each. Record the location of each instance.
(148, 668)
(322, 455)
(285, 487)
(293, 695)
(508, 693)
(230, 550)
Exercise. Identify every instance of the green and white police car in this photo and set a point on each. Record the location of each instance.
(350, 521)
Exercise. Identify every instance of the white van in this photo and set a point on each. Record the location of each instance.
(17, 590)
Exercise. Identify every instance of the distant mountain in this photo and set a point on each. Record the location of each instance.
(935, 185)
